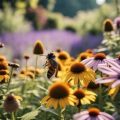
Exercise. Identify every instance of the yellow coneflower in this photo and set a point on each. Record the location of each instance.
(78, 72)
(60, 95)
(3, 65)
(33, 70)
(12, 103)
(29, 75)
(63, 57)
(58, 50)
(14, 65)
(89, 51)
(84, 96)
(4, 73)
(2, 58)
(108, 25)
(38, 48)
(4, 76)
(84, 55)
(113, 91)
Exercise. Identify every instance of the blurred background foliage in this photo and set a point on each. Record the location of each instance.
(79, 16)
(24, 21)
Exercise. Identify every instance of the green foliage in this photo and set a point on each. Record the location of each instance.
(30, 116)
(12, 21)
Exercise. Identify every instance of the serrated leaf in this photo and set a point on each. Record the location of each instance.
(30, 115)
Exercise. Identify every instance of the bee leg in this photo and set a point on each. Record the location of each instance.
(56, 73)
(46, 64)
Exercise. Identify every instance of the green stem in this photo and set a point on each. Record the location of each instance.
(23, 87)
(10, 79)
(117, 7)
(36, 64)
(61, 114)
(100, 95)
(78, 84)
(26, 65)
(12, 116)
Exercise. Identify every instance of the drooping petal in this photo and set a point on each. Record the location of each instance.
(87, 60)
(107, 80)
(107, 115)
(106, 70)
(116, 83)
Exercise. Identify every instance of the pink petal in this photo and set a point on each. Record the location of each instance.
(106, 70)
(80, 114)
(116, 69)
(83, 117)
(113, 63)
(116, 83)
(95, 67)
(107, 80)
(107, 115)
(86, 60)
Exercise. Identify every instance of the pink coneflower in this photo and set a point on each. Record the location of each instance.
(93, 62)
(117, 23)
(112, 70)
(92, 114)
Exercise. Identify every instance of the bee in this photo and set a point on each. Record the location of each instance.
(52, 65)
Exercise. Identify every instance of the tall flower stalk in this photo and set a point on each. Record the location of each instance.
(37, 50)
(13, 66)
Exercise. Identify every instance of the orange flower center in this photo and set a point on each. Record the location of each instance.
(100, 56)
(59, 90)
(77, 68)
(94, 112)
(83, 57)
(79, 94)
(62, 57)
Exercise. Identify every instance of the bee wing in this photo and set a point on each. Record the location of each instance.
(53, 63)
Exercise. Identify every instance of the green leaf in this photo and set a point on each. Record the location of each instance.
(30, 115)
(48, 110)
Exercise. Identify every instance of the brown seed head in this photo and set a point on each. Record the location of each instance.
(100, 56)
(108, 25)
(14, 65)
(59, 90)
(93, 112)
(11, 104)
(38, 48)
(26, 57)
(77, 68)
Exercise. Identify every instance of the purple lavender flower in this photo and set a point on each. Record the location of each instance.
(113, 72)
(52, 39)
(93, 62)
(92, 114)
(89, 41)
